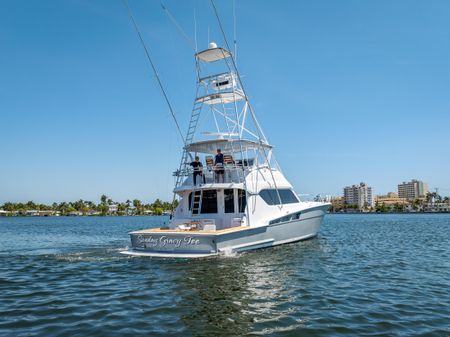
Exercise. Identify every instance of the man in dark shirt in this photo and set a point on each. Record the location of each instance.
(218, 163)
(198, 169)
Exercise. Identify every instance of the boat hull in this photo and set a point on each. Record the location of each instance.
(198, 244)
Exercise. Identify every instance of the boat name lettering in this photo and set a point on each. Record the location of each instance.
(163, 241)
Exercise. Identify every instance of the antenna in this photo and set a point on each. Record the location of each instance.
(234, 31)
(195, 31)
(147, 53)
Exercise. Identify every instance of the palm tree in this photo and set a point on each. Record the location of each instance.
(137, 204)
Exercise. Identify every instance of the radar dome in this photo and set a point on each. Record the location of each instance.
(212, 45)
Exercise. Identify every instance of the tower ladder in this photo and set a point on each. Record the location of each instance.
(196, 202)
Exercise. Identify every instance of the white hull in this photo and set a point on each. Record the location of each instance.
(195, 244)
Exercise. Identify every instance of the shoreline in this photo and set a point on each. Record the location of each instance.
(165, 215)
(81, 216)
(378, 213)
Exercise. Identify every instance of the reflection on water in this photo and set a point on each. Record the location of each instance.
(387, 274)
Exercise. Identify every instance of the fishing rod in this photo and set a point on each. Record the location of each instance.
(180, 29)
(155, 72)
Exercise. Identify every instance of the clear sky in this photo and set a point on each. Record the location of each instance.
(347, 91)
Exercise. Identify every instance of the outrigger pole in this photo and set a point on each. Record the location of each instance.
(155, 72)
(191, 44)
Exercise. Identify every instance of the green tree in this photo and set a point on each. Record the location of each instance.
(70, 209)
(381, 208)
(157, 203)
(158, 211)
(30, 205)
(103, 209)
(398, 208)
(138, 205)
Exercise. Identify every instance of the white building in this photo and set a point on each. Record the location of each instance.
(412, 190)
(113, 208)
(360, 195)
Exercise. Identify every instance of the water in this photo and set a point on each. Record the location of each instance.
(365, 275)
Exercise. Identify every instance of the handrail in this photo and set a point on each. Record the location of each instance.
(207, 78)
(226, 167)
(231, 174)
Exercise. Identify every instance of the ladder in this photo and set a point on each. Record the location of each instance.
(196, 202)
(196, 111)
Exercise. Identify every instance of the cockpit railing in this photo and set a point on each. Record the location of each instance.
(232, 173)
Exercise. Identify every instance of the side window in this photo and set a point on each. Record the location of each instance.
(270, 196)
(288, 197)
(228, 195)
(242, 200)
(209, 202)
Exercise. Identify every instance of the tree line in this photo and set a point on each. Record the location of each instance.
(86, 207)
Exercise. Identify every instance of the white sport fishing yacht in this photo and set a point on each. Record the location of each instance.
(234, 197)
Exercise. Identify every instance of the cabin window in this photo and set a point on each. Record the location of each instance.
(209, 202)
(228, 196)
(242, 201)
(271, 196)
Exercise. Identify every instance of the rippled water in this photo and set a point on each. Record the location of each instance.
(365, 275)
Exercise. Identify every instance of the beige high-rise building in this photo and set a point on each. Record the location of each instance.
(414, 189)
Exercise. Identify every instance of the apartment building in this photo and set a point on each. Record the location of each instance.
(360, 195)
(415, 189)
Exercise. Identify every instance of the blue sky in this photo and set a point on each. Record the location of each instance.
(347, 91)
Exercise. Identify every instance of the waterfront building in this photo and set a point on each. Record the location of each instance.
(337, 203)
(113, 208)
(358, 195)
(437, 207)
(32, 212)
(46, 213)
(390, 199)
(415, 189)
(4, 213)
(131, 210)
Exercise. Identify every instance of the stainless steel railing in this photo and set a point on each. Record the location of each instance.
(231, 174)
